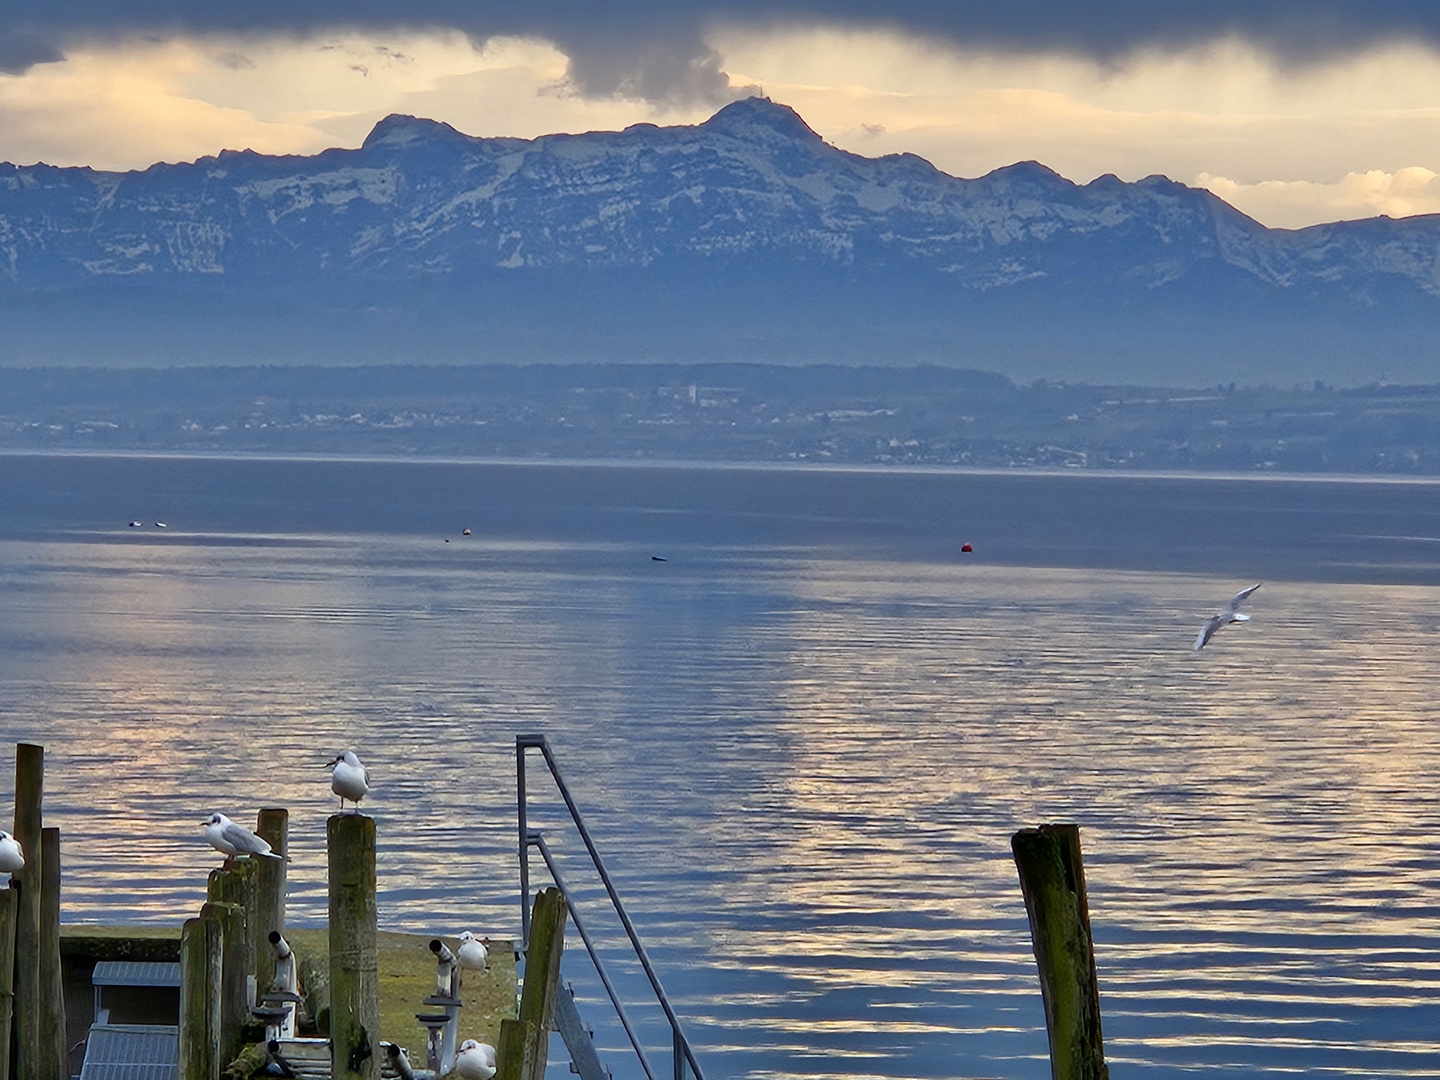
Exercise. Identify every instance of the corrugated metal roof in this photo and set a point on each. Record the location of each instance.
(132, 1052)
(135, 973)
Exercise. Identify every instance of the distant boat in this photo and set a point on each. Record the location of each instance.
(464, 532)
(657, 558)
(136, 524)
(161, 525)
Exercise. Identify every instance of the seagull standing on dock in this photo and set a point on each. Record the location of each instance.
(1226, 617)
(12, 856)
(473, 951)
(475, 1061)
(231, 839)
(351, 780)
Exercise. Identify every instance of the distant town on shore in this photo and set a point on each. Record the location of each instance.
(841, 415)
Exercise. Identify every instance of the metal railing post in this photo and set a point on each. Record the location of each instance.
(539, 841)
(522, 743)
(681, 1045)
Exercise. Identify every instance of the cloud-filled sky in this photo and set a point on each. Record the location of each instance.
(1296, 111)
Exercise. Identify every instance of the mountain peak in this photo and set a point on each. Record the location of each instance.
(1029, 172)
(758, 115)
(398, 130)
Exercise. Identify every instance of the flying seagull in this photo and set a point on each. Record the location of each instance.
(1226, 617)
(351, 780)
(231, 839)
(12, 856)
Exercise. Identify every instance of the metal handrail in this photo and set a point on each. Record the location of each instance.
(538, 841)
(528, 839)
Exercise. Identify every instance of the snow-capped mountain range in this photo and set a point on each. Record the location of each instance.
(745, 237)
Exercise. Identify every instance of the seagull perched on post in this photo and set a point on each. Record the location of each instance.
(231, 839)
(12, 855)
(1226, 617)
(351, 780)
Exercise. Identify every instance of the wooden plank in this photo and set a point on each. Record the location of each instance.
(511, 1050)
(200, 971)
(8, 906)
(273, 826)
(354, 958)
(233, 1011)
(542, 979)
(54, 1062)
(29, 793)
(1052, 878)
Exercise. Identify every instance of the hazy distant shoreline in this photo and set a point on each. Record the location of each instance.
(719, 414)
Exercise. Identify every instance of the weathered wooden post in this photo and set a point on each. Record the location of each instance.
(201, 944)
(1052, 878)
(8, 900)
(510, 1049)
(354, 961)
(29, 793)
(241, 951)
(54, 1051)
(234, 939)
(542, 981)
(273, 826)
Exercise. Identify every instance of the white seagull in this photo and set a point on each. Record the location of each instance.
(12, 856)
(1226, 617)
(231, 839)
(351, 780)
(475, 1061)
(473, 951)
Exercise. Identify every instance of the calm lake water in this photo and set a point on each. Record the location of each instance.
(802, 741)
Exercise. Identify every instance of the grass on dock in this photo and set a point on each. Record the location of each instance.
(407, 976)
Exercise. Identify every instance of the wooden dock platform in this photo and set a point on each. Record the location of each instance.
(407, 975)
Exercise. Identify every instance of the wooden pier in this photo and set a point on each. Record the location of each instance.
(406, 967)
(200, 992)
(250, 996)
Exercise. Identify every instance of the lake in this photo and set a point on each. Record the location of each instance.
(802, 741)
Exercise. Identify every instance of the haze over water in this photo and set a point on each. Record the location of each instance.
(802, 742)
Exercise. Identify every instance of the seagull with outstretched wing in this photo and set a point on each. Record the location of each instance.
(1225, 618)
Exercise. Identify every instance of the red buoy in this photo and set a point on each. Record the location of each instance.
(966, 547)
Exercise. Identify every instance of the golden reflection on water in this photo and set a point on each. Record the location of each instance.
(805, 771)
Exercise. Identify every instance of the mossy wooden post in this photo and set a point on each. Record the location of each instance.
(542, 979)
(230, 917)
(29, 793)
(273, 826)
(54, 1051)
(8, 900)
(1052, 878)
(510, 1060)
(241, 952)
(354, 962)
(201, 943)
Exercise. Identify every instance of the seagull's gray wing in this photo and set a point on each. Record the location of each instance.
(1209, 631)
(1240, 597)
(243, 840)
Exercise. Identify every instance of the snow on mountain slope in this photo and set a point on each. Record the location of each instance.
(747, 236)
(753, 182)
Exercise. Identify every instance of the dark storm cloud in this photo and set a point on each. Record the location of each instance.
(21, 49)
(655, 48)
